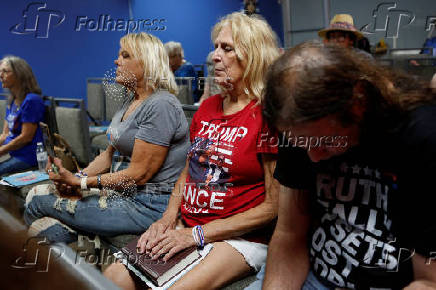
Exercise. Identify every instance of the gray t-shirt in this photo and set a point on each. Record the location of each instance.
(159, 120)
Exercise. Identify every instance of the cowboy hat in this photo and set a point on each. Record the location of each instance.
(341, 22)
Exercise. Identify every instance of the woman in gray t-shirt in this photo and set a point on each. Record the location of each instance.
(148, 140)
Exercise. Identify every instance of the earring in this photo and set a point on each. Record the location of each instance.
(246, 91)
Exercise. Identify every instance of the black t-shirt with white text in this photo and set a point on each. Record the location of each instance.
(372, 206)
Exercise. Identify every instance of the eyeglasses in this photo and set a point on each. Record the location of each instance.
(5, 71)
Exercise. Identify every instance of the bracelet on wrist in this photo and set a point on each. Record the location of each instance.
(83, 183)
(198, 235)
(99, 185)
(80, 174)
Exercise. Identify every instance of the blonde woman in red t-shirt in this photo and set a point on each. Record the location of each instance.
(226, 190)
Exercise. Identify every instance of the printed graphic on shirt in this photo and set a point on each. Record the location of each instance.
(13, 125)
(212, 150)
(355, 225)
(210, 161)
(113, 135)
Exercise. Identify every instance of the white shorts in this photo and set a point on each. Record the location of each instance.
(253, 253)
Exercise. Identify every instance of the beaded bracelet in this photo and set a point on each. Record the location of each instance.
(198, 235)
(194, 235)
(80, 174)
(201, 234)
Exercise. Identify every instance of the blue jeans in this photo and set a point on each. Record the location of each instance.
(115, 215)
(311, 283)
(12, 165)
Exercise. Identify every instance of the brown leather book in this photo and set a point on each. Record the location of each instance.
(158, 271)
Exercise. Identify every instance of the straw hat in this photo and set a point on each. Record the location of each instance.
(341, 22)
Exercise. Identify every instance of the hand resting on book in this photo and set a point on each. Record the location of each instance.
(157, 270)
(149, 238)
(162, 239)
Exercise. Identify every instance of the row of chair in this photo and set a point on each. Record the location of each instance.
(67, 117)
(105, 98)
(420, 65)
(72, 124)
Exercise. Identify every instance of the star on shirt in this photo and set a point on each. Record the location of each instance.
(356, 169)
(367, 171)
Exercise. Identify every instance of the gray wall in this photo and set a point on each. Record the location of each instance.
(402, 23)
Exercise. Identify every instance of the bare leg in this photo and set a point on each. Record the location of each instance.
(221, 266)
(120, 276)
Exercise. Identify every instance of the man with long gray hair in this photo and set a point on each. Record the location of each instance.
(357, 185)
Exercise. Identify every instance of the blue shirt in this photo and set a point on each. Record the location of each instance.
(187, 70)
(430, 42)
(31, 111)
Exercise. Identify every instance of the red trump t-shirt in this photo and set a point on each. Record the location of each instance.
(226, 173)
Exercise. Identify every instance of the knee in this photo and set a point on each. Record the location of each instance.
(42, 224)
(30, 195)
(119, 275)
(113, 271)
(35, 206)
(39, 190)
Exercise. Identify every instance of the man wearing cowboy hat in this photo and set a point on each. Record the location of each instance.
(341, 31)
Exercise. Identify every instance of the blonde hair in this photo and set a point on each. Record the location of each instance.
(174, 48)
(151, 52)
(24, 75)
(255, 46)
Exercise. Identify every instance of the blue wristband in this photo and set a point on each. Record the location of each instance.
(80, 174)
(199, 236)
